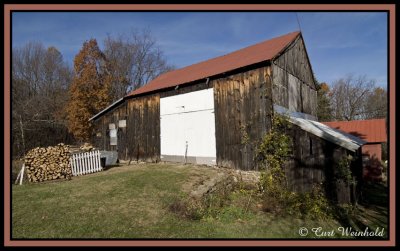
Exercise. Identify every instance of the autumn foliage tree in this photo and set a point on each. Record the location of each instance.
(89, 92)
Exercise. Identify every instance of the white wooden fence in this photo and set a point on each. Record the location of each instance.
(84, 163)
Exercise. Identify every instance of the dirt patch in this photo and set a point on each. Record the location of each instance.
(204, 179)
(209, 189)
(197, 177)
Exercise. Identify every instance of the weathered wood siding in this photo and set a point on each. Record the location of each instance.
(292, 78)
(101, 139)
(143, 128)
(315, 161)
(140, 139)
(243, 106)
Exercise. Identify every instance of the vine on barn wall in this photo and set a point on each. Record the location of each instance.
(273, 151)
(343, 170)
(244, 136)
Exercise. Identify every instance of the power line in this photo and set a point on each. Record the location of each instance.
(298, 22)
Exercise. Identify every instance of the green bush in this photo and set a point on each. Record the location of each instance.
(312, 204)
(343, 170)
(273, 151)
(271, 154)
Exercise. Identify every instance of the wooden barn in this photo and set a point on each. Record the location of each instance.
(203, 112)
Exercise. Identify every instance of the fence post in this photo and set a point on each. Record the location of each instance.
(84, 163)
(99, 161)
(87, 160)
(79, 162)
(71, 161)
(91, 162)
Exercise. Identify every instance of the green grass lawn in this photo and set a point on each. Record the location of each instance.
(133, 202)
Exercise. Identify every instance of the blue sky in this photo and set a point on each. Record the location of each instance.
(338, 43)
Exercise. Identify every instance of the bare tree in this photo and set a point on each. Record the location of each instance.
(135, 60)
(349, 97)
(39, 80)
(376, 104)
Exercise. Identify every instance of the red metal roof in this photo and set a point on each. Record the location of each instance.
(247, 56)
(373, 130)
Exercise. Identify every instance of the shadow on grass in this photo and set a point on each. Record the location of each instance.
(371, 212)
(106, 168)
(374, 194)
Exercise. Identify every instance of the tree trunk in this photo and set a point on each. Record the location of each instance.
(22, 134)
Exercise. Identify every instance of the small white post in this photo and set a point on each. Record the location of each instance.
(91, 162)
(19, 175)
(22, 173)
(80, 164)
(73, 165)
(98, 164)
(99, 161)
(86, 158)
(88, 162)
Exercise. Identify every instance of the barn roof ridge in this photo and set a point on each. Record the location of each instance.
(256, 53)
(252, 54)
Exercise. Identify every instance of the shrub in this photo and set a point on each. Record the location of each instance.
(273, 151)
(312, 204)
(343, 171)
(271, 154)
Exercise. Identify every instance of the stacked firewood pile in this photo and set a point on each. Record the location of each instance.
(86, 147)
(48, 163)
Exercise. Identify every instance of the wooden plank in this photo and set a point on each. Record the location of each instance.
(239, 108)
(143, 132)
(294, 62)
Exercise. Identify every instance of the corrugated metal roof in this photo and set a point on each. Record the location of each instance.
(372, 130)
(257, 53)
(337, 137)
(282, 110)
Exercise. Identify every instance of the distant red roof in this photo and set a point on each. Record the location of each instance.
(247, 56)
(373, 130)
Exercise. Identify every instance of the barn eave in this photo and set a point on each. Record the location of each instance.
(108, 108)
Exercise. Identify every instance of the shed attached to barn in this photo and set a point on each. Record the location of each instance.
(202, 113)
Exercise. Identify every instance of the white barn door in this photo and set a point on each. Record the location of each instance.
(187, 124)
